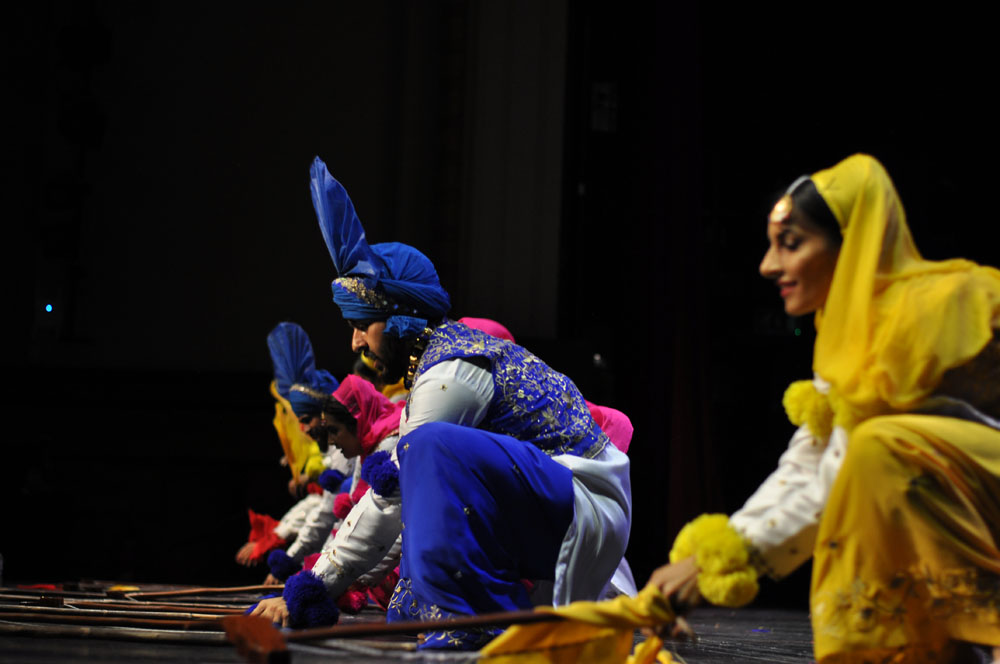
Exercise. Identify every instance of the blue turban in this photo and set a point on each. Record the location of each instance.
(292, 357)
(388, 281)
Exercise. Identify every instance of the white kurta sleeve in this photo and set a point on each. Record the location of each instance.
(453, 391)
(315, 530)
(781, 518)
(363, 540)
(366, 536)
(389, 562)
(296, 517)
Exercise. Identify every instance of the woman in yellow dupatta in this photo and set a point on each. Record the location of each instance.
(904, 422)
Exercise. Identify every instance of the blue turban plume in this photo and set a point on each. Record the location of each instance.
(293, 360)
(388, 281)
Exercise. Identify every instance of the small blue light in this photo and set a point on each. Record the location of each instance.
(48, 308)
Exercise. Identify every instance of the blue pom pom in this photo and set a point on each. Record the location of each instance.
(308, 603)
(331, 480)
(250, 610)
(282, 565)
(381, 473)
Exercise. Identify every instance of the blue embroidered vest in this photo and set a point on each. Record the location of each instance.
(531, 401)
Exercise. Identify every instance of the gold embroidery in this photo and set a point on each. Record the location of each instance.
(369, 296)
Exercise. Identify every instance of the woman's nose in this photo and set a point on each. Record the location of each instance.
(770, 267)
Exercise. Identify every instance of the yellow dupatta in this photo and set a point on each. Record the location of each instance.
(301, 451)
(893, 322)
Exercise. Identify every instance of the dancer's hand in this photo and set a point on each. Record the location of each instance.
(244, 555)
(678, 582)
(274, 609)
(272, 580)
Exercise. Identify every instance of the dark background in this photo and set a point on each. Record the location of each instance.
(594, 175)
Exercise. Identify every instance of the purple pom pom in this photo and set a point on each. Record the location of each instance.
(282, 566)
(308, 603)
(331, 480)
(381, 473)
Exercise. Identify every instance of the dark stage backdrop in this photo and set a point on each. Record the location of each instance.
(595, 176)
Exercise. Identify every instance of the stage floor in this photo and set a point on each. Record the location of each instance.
(79, 622)
(725, 637)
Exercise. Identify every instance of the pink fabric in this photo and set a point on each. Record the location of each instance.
(614, 423)
(381, 593)
(377, 416)
(342, 505)
(310, 561)
(352, 601)
(488, 326)
(359, 490)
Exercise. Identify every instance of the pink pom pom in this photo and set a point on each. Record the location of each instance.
(342, 505)
(352, 601)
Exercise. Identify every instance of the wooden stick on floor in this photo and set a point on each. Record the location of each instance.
(204, 591)
(258, 641)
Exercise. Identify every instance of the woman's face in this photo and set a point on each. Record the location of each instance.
(340, 436)
(800, 259)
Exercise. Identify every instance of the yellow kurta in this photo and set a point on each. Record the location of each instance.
(906, 559)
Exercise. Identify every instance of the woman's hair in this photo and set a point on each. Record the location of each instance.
(330, 407)
(806, 199)
(338, 412)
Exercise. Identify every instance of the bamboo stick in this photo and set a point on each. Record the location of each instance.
(114, 612)
(112, 633)
(204, 591)
(108, 621)
(258, 641)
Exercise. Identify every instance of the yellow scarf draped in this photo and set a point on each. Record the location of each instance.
(301, 451)
(593, 632)
(893, 322)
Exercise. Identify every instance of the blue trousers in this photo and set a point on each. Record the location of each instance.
(481, 511)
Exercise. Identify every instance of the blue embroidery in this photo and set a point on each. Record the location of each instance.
(531, 401)
(407, 607)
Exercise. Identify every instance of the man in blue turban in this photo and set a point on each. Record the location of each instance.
(503, 475)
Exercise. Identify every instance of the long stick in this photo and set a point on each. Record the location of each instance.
(204, 591)
(114, 612)
(116, 633)
(179, 607)
(415, 627)
(256, 638)
(107, 621)
(133, 605)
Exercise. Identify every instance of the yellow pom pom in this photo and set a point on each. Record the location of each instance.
(693, 533)
(725, 576)
(733, 590)
(805, 405)
(722, 552)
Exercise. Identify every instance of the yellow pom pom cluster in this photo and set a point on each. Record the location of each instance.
(805, 405)
(725, 576)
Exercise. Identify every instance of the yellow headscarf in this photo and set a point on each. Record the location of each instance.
(893, 322)
(301, 451)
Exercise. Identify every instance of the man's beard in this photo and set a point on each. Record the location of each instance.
(394, 359)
